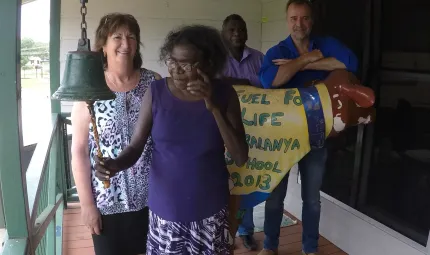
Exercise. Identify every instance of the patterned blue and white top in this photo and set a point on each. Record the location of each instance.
(115, 124)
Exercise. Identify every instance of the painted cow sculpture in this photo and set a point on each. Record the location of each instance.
(351, 105)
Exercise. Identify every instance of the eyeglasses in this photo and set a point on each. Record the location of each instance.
(173, 64)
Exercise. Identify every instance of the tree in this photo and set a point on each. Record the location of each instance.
(27, 43)
(30, 48)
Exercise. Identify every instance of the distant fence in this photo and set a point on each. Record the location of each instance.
(31, 72)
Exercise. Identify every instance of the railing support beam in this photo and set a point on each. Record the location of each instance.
(12, 177)
(54, 52)
(45, 218)
(59, 229)
(52, 188)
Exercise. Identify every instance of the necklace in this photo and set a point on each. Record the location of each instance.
(119, 88)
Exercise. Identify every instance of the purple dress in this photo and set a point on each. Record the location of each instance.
(188, 192)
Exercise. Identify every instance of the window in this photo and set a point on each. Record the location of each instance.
(397, 189)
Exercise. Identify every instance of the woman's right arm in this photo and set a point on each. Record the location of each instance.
(129, 156)
(107, 168)
(81, 166)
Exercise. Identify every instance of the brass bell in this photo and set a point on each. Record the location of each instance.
(83, 78)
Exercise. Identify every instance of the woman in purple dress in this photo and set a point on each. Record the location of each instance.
(192, 117)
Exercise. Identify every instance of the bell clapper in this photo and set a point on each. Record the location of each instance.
(90, 105)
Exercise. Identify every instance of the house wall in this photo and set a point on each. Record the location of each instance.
(274, 28)
(156, 18)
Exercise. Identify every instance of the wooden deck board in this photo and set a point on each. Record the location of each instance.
(77, 239)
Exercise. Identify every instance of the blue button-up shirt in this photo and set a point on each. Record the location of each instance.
(329, 47)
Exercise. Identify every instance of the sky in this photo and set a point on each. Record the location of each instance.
(35, 20)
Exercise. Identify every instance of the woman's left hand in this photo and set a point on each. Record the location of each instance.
(203, 89)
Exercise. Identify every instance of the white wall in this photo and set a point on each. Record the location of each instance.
(274, 27)
(265, 20)
(156, 18)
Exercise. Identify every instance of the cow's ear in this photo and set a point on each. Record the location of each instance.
(361, 95)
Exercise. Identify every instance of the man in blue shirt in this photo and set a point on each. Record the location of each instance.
(294, 62)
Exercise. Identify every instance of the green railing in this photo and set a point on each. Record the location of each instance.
(47, 183)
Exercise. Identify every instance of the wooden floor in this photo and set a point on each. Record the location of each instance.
(77, 240)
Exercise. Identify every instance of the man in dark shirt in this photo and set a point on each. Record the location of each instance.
(294, 62)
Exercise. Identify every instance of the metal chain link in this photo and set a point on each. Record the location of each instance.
(83, 22)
